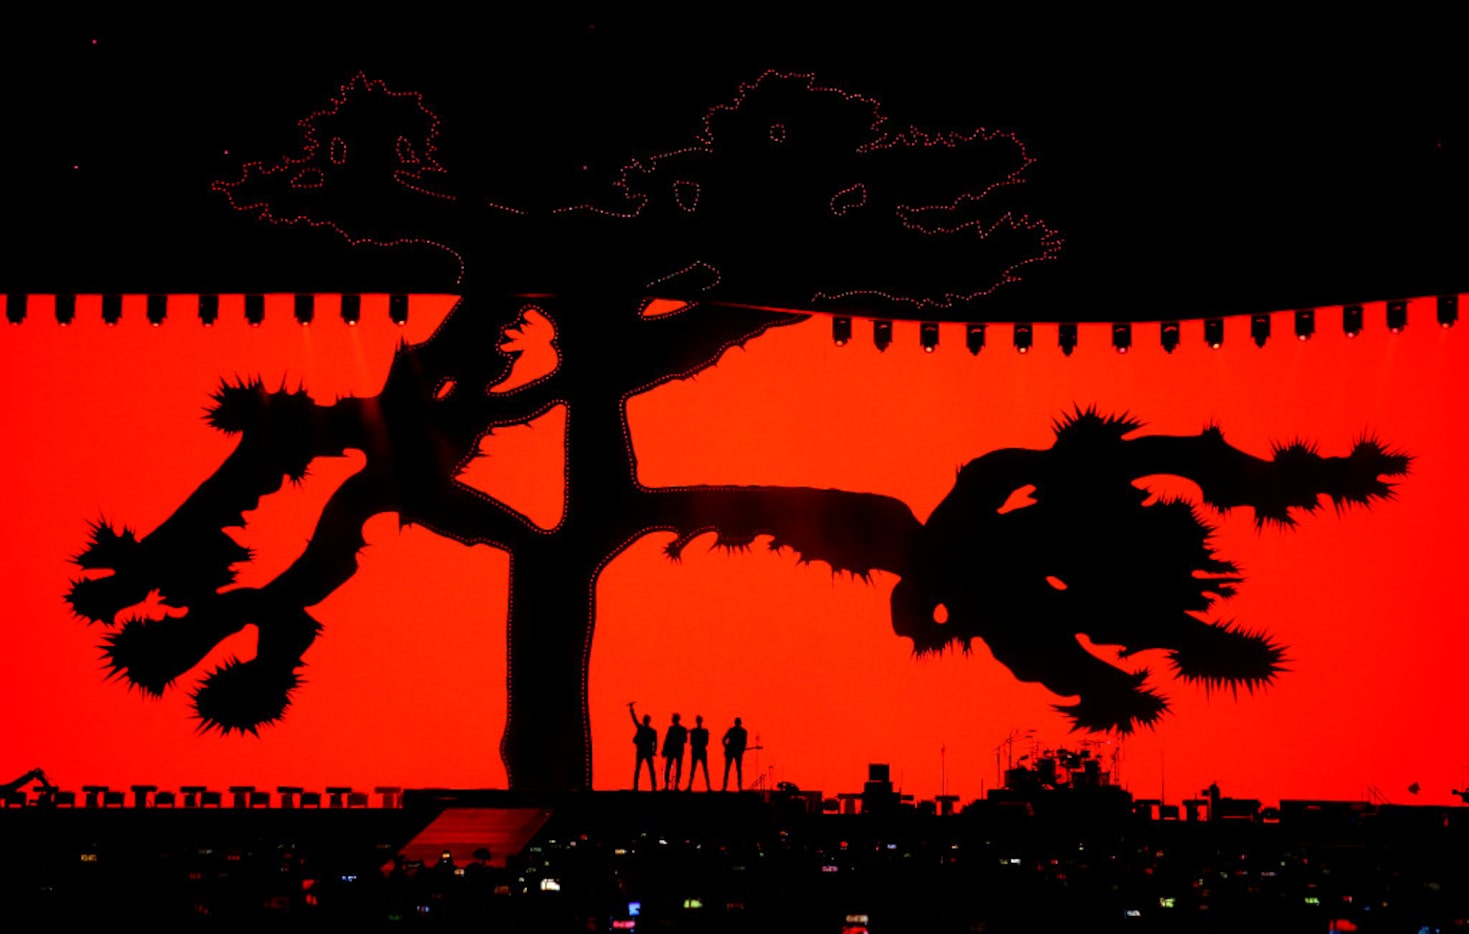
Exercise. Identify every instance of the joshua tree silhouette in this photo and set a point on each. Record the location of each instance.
(792, 195)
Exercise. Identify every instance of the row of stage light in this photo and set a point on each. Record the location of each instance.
(1168, 331)
(303, 308)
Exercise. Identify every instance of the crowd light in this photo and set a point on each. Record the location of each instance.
(1024, 337)
(351, 309)
(1214, 332)
(157, 309)
(398, 309)
(928, 336)
(305, 309)
(1067, 338)
(1122, 337)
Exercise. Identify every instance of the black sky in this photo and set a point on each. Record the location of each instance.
(1194, 168)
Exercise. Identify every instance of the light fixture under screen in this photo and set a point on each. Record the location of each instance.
(1448, 310)
(1214, 332)
(1122, 337)
(1024, 337)
(882, 334)
(928, 336)
(398, 309)
(1397, 316)
(974, 338)
(1305, 324)
(1260, 329)
(1168, 333)
(841, 331)
(1067, 338)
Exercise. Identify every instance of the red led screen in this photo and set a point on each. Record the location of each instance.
(406, 684)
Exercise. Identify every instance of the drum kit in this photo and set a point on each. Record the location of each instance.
(1076, 769)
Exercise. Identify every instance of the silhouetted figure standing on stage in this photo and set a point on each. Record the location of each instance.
(673, 743)
(646, 740)
(735, 739)
(699, 752)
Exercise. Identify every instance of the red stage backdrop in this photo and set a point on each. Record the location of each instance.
(106, 421)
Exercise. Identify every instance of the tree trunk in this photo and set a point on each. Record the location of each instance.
(547, 741)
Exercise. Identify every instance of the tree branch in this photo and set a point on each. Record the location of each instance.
(857, 533)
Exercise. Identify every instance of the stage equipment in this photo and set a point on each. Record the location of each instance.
(1260, 329)
(841, 330)
(1024, 337)
(882, 334)
(1214, 332)
(305, 309)
(1305, 323)
(974, 338)
(1168, 336)
(1067, 338)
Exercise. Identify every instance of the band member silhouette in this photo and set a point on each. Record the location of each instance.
(735, 739)
(699, 752)
(673, 744)
(646, 740)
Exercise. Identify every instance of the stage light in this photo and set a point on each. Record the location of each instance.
(974, 337)
(351, 309)
(1067, 338)
(1397, 316)
(1168, 336)
(1351, 320)
(398, 309)
(15, 308)
(1122, 337)
(1448, 310)
(928, 336)
(157, 309)
(841, 331)
(1024, 336)
(1214, 332)
(882, 334)
(255, 309)
(208, 310)
(111, 309)
(305, 309)
(1260, 329)
(1305, 324)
